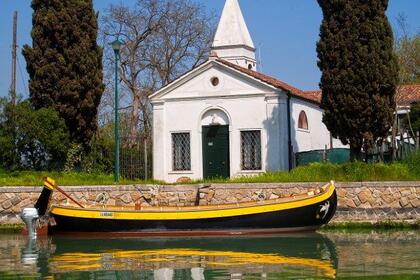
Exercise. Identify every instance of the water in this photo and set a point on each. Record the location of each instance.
(372, 255)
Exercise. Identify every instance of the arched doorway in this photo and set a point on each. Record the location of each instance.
(215, 133)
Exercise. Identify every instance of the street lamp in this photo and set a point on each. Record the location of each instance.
(116, 46)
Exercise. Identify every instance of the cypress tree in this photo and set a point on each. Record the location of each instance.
(65, 63)
(359, 71)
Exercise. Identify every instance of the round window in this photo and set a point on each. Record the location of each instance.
(214, 81)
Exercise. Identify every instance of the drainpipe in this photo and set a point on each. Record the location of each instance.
(289, 129)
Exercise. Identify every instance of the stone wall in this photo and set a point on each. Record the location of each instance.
(367, 201)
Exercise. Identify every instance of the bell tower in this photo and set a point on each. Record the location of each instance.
(232, 41)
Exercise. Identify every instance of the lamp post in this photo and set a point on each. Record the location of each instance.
(116, 46)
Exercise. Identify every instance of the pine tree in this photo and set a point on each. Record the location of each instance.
(359, 71)
(65, 63)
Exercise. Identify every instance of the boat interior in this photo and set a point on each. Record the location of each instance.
(312, 193)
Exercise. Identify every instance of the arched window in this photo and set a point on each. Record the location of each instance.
(303, 121)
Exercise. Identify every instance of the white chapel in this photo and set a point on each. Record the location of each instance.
(225, 119)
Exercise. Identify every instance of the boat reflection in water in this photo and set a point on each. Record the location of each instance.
(205, 258)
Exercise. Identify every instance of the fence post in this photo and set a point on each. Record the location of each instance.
(381, 152)
(402, 146)
(331, 142)
(145, 159)
(324, 155)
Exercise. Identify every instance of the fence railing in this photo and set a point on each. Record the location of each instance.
(136, 158)
(404, 145)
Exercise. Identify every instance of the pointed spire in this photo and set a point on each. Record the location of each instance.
(232, 41)
(232, 29)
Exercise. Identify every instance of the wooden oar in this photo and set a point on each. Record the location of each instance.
(50, 182)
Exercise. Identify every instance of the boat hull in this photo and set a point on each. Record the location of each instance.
(304, 218)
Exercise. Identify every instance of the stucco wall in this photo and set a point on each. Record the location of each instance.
(375, 201)
(188, 120)
(317, 136)
(247, 105)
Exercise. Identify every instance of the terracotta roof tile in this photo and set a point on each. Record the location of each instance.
(314, 95)
(272, 81)
(406, 94)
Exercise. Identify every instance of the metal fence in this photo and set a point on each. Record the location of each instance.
(136, 158)
(404, 145)
(327, 155)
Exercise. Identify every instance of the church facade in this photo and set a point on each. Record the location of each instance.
(225, 119)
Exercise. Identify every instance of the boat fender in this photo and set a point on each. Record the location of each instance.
(137, 206)
(260, 195)
(102, 198)
(154, 191)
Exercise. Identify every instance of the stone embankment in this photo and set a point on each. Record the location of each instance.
(366, 201)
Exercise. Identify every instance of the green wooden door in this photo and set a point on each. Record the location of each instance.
(216, 151)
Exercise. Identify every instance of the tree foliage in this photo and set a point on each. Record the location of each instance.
(408, 52)
(415, 117)
(31, 139)
(163, 39)
(407, 48)
(359, 71)
(65, 63)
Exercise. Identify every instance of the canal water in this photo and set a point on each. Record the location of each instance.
(330, 255)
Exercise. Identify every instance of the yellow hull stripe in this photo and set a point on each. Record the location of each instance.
(107, 214)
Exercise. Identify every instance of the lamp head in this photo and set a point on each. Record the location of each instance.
(116, 45)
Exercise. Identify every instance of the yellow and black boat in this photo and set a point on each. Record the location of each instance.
(305, 212)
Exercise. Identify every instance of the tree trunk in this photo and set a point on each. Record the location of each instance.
(381, 152)
(134, 120)
(355, 152)
(394, 136)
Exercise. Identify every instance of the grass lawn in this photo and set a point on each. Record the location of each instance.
(35, 178)
(317, 172)
(348, 172)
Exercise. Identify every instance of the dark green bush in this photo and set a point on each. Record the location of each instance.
(98, 159)
(31, 139)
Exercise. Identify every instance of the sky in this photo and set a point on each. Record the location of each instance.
(285, 33)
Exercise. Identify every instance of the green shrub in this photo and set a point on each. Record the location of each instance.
(98, 159)
(31, 139)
